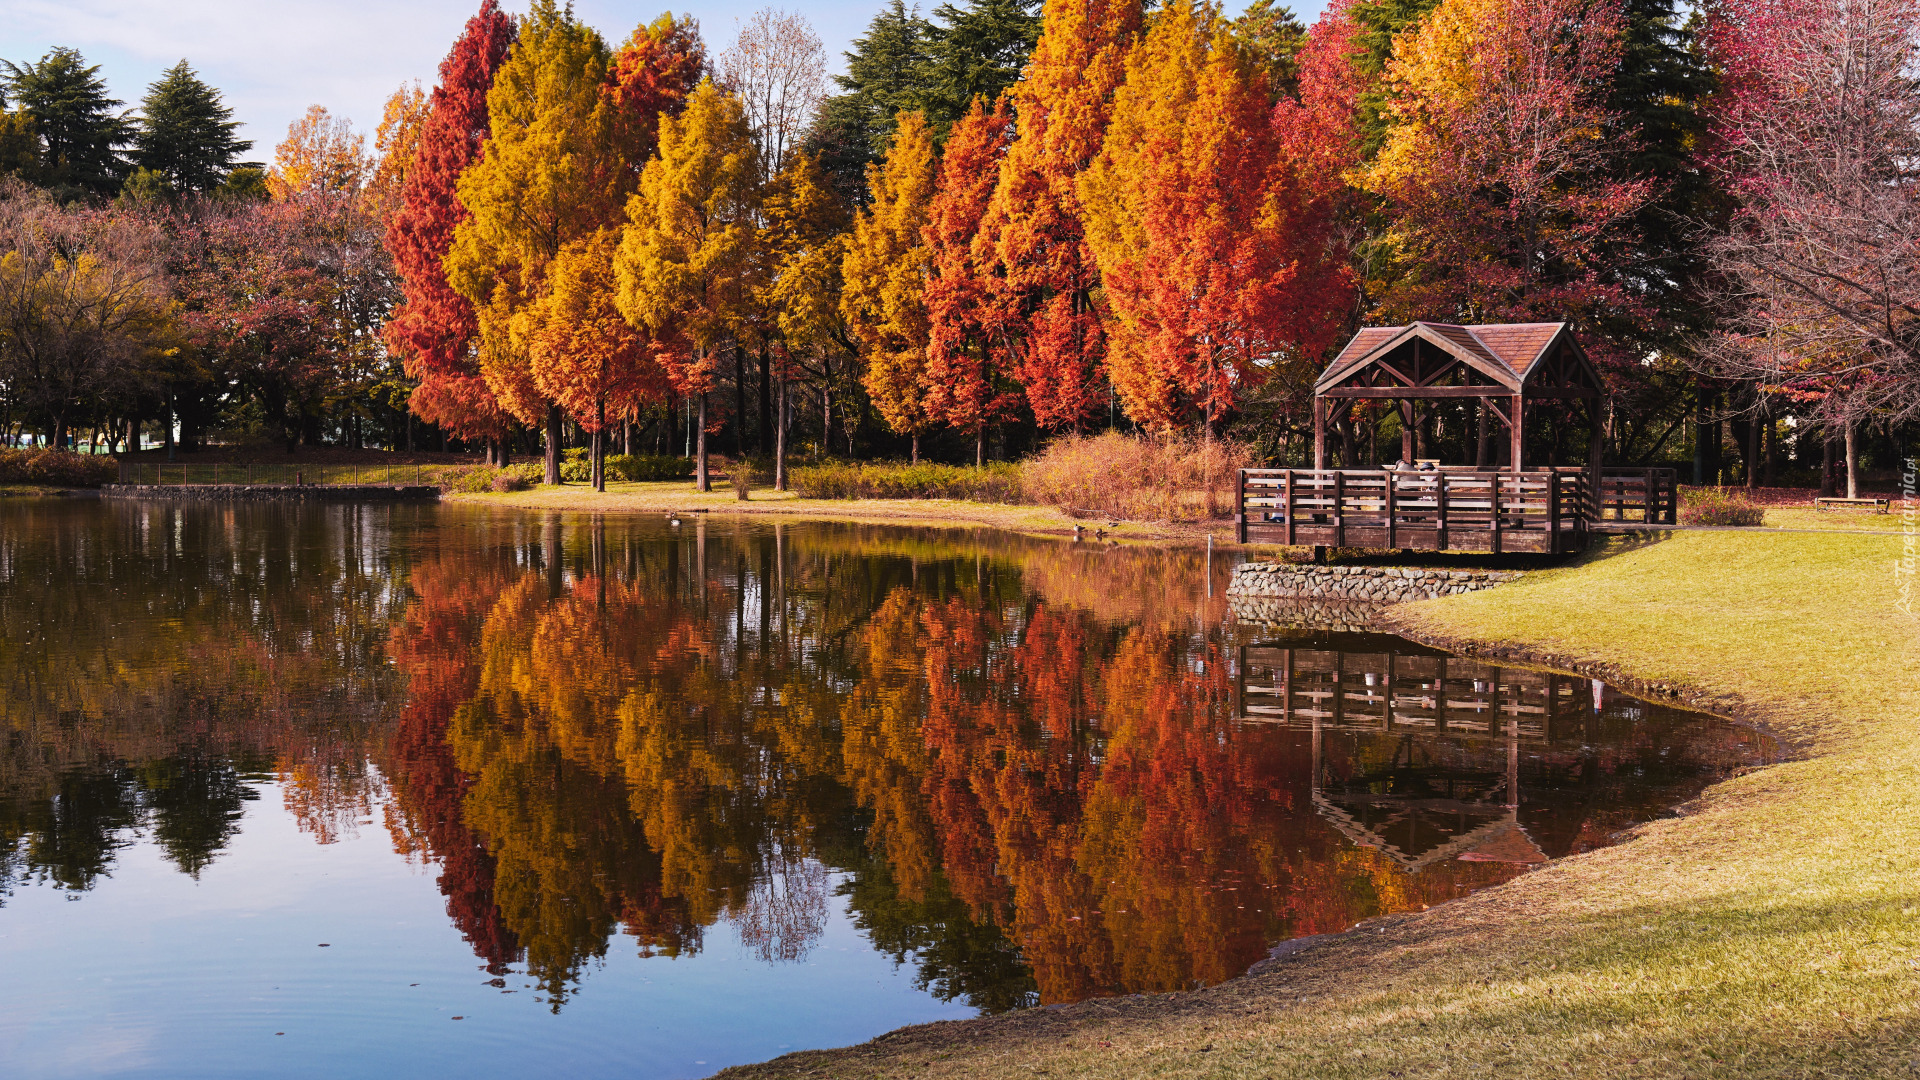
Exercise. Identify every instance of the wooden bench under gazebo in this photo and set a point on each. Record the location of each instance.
(1513, 372)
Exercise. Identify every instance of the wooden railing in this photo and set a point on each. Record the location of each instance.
(1539, 510)
(1647, 496)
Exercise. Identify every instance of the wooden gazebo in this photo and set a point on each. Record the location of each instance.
(1511, 370)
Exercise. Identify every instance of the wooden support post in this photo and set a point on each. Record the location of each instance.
(1240, 504)
(1440, 513)
(1319, 432)
(1518, 433)
(1287, 504)
(1339, 509)
(1392, 541)
(1494, 504)
(1553, 511)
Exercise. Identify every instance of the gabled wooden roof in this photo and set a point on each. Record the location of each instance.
(1508, 354)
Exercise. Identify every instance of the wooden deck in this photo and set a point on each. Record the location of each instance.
(1546, 511)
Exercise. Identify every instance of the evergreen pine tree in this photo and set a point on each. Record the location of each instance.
(185, 134)
(976, 51)
(885, 75)
(80, 133)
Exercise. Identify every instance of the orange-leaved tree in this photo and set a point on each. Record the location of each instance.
(321, 152)
(966, 379)
(539, 185)
(1213, 263)
(884, 274)
(685, 266)
(1031, 238)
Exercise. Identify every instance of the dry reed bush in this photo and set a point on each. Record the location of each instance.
(900, 480)
(56, 467)
(1134, 478)
(1718, 506)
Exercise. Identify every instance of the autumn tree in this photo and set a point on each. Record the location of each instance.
(884, 274)
(433, 328)
(321, 152)
(84, 309)
(1819, 120)
(396, 143)
(1214, 256)
(534, 189)
(1501, 168)
(966, 383)
(777, 68)
(684, 268)
(802, 244)
(1031, 239)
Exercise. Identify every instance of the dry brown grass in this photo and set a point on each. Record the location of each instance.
(1129, 478)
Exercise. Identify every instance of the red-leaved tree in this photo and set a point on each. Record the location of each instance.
(1031, 240)
(967, 378)
(433, 327)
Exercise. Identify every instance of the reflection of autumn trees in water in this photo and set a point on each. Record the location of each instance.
(157, 658)
(1015, 762)
(1031, 802)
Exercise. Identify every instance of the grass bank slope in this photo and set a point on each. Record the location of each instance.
(1771, 931)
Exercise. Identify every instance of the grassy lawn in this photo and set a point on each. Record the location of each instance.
(1771, 931)
(1794, 517)
(667, 496)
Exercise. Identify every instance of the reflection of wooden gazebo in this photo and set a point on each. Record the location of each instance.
(1511, 371)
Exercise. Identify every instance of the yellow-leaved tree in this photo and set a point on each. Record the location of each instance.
(541, 185)
(685, 269)
(885, 272)
(802, 245)
(321, 152)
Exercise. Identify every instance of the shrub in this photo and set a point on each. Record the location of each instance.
(478, 478)
(1136, 478)
(511, 478)
(998, 482)
(648, 467)
(58, 468)
(1718, 506)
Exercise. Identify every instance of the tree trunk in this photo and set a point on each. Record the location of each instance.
(1753, 453)
(701, 481)
(1826, 466)
(1853, 461)
(626, 436)
(766, 402)
(600, 444)
(780, 441)
(1773, 449)
(913, 454)
(980, 447)
(739, 401)
(554, 433)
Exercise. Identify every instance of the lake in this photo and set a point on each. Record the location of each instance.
(294, 790)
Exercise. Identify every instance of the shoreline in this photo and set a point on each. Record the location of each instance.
(1767, 929)
(671, 497)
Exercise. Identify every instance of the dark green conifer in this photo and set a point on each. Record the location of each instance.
(185, 134)
(80, 132)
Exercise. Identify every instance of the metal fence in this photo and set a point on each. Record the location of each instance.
(308, 473)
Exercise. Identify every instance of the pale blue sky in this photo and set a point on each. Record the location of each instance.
(272, 59)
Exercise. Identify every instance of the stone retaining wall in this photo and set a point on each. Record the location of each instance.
(223, 492)
(1359, 584)
(1296, 613)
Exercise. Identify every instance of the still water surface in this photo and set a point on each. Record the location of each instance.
(334, 790)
